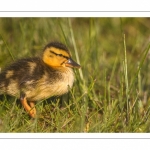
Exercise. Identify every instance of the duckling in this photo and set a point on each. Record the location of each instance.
(38, 78)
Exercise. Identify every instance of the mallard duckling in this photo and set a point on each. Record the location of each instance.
(38, 78)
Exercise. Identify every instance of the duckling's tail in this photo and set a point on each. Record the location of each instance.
(2, 87)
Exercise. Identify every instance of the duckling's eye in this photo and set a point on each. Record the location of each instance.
(63, 56)
(66, 57)
(56, 54)
(60, 55)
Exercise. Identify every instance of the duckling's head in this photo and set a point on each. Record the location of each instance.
(57, 55)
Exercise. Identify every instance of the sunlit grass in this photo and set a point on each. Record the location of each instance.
(111, 91)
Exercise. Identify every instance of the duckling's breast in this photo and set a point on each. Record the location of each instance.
(52, 84)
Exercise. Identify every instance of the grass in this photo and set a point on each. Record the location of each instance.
(111, 91)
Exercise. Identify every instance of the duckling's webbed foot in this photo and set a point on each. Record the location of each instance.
(30, 108)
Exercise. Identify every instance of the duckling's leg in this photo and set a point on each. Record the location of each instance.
(31, 110)
(32, 104)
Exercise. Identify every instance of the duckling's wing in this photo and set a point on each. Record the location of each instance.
(13, 77)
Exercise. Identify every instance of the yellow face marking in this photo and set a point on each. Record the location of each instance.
(59, 52)
(9, 74)
(55, 57)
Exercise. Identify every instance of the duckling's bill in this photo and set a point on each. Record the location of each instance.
(72, 63)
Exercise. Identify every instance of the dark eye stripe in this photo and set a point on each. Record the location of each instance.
(59, 55)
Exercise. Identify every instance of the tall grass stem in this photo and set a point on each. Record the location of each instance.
(126, 78)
